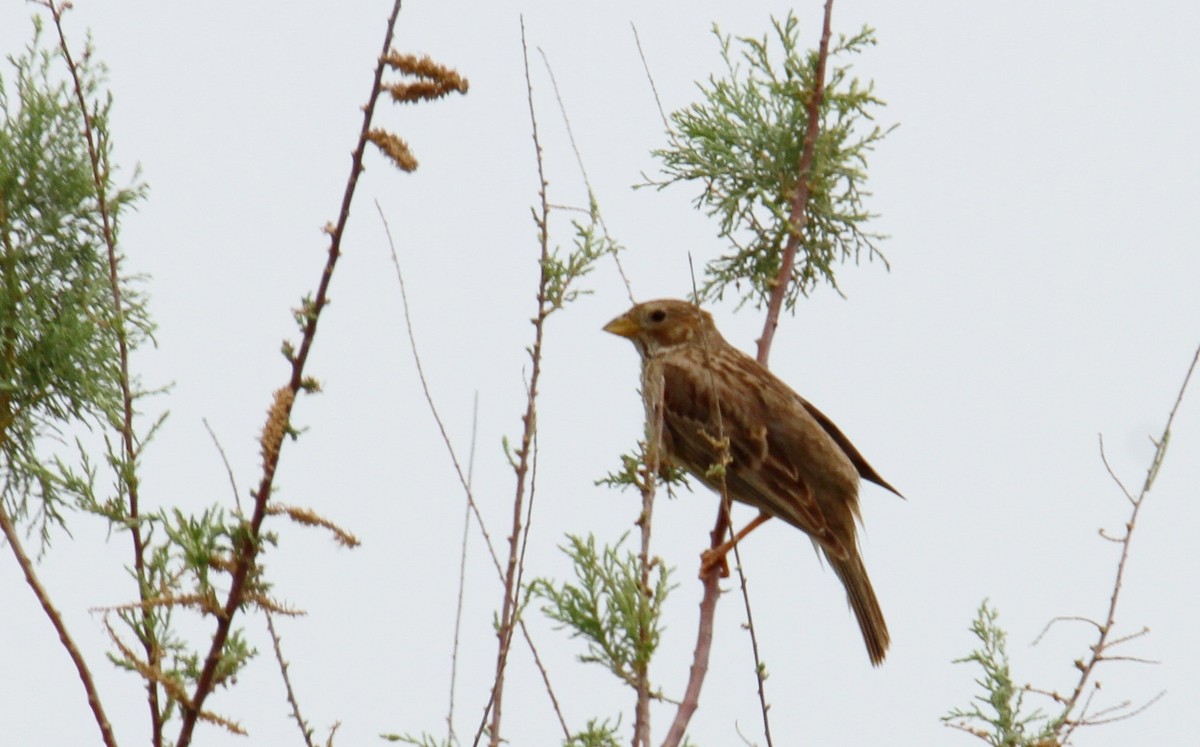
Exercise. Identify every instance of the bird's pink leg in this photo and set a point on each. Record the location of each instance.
(716, 555)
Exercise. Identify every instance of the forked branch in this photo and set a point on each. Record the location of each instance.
(1075, 712)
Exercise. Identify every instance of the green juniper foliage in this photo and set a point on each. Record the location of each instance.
(563, 271)
(61, 336)
(633, 473)
(607, 606)
(59, 365)
(597, 734)
(744, 141)
(996, 715)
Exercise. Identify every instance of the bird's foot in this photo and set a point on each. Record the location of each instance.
(713, 559)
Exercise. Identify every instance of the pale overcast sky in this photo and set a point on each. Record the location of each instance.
(1040, 195)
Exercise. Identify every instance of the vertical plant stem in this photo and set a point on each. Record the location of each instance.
(641, 720)
(465, 481)
(276, 644)
(1099, 649)
(721, 530)
(127, 472)
(510, 606)
(799, 213)
(451, 737)
(280, 414)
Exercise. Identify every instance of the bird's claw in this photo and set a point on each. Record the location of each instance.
(714, 558)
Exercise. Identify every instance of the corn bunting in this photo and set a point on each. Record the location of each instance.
(784, 457)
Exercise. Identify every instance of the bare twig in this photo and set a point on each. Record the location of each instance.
(593, 208)
(1100, 649)
(280, 413)
(646, 485)
(1108, 468)
(287, 682)
(451, 737)
(128, 440)
(1065, 618)
(237, 500)
(760, 674)
(510, 607)
(463, 476)
(662, 113)
(799, 214)
(85, 676)
(722, 529)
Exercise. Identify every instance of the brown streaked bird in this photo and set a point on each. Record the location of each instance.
(786, 458)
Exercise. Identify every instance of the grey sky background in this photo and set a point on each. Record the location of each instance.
(1039, 195)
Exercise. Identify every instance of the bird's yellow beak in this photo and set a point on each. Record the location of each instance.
(623, 326)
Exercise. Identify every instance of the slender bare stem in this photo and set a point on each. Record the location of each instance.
(1104, 642)
(759, 671)
(280, 414)
(722, 528)
(129, 446)
(525, 454)
(464, 476)
(287, 681)
(653, 463)
(85, 676)
(662, 113)
(799, 213)
(451, 737)
(593, 208)
(237, 501)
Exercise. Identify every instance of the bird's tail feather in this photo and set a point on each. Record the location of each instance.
(862, 600)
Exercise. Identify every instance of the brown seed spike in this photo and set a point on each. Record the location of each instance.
(422, 90)
(425, 67)
(394, 148)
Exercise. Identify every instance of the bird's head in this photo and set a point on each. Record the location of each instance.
(657, 326)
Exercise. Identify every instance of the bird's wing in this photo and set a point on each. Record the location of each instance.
(764, 471)
(865, 470)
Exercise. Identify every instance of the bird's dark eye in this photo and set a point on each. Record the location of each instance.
(658, 315)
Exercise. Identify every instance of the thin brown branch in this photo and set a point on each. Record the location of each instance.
(128, 441)
(662, 113)
(798, 218)
(1103, 642)
(463, 477)
(1095, 721)
(1064, 618)
(699, 669)
(248, 545)
(593, 209)
(287, 682)
(510, 607)
(647, 485)
(722, 529)
(760, 674)
(1108, 468)
(451, 737)
(437, 418)
(237, 500)
(85, 676)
